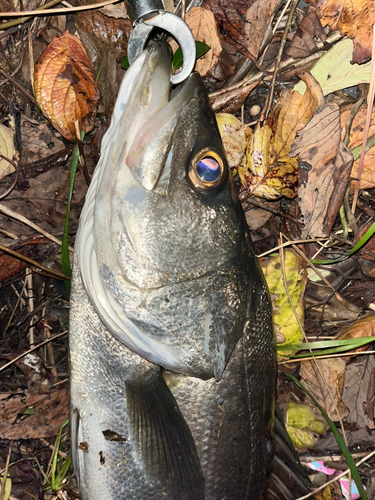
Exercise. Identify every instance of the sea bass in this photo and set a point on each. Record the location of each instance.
(173, 366)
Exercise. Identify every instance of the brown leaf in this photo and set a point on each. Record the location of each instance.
(295, 111)
(203, 26)
(64, 86)
(303, 41)
(356, 138)
(6, 149)
(49, 413)
(324, 168)
(333, 370)
(243, 24)
(353, 18)
(362, 328)
(357, 396)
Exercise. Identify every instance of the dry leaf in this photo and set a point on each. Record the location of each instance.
(203, 26)
(7, 149)
(233, 136)
(269, 172)
(309, 30)
(295, 112)
(362, 328)
(334, 71)
(117, 11)
(49, 411)
(324, 169)
(356, 138)
(64, 86)
(353, 18)
(358, 379)
(244, 24)
(333, 370)
(287, 329)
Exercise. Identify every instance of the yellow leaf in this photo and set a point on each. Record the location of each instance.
(334, 70)
(294, 112)
(8, 486)
(286, 325)
(303, 425)
(233, 135)
(6, 149)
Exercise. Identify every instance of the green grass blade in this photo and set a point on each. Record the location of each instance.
(329, 346)
(55, 456)
(340, 441)
(65, 259)
(365, 238)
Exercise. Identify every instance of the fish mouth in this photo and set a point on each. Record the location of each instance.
(155, 113)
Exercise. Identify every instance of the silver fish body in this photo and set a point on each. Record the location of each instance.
(173, 365)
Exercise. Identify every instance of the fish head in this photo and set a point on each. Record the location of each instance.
(168, 197)
(162, 227)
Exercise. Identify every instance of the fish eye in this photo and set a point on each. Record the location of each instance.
(208, 171)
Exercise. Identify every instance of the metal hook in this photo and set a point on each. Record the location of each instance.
(176, 27)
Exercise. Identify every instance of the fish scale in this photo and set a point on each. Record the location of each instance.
(173, 363)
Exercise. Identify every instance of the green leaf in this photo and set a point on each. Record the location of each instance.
(200, 47)
(125, 63)
(340, 441)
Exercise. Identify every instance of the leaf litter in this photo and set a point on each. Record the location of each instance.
(289, 164)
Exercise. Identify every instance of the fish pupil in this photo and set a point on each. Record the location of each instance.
(208, 169)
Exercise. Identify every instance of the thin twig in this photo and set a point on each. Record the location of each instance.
(15, 83)
(15, 215)
(35, 265)
(269, 100)
(33, 349)
(46, 11)
(4, 481)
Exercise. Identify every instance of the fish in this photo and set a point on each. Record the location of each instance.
(172, 354)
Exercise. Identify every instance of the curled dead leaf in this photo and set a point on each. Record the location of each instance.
(324, 170)
(64, 86)
(353, 18)
(203, 26)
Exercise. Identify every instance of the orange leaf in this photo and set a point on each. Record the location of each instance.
(353, 18)
(203, 26)
(64, 86)
(356, 138)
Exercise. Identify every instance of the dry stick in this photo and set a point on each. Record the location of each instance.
(316, 490)
(51, 354)
(30, 295)
(278, 59)
(19, 299)
(15, 215)
(370, 103)
(318, 367)
(42, 12)
(283, 65)
(33, 349)
(325, 356)
(16, 84)
(36, 265)
(292, 242)
(3, 484)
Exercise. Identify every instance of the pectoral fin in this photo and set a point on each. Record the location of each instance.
(163, 441)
